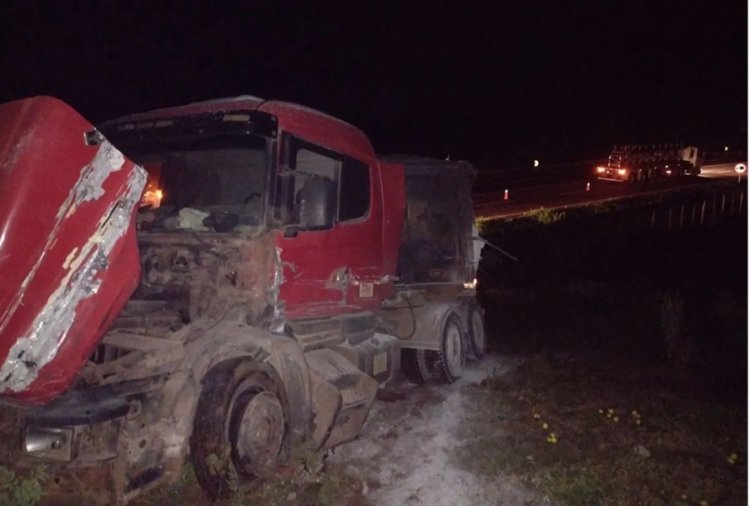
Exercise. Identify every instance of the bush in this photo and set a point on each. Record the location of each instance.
(22, 489)
(548, 216)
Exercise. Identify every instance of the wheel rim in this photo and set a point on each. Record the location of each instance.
(453, 353)
(256, 432)
(477, 332)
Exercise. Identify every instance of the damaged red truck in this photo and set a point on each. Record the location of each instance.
(240, 290)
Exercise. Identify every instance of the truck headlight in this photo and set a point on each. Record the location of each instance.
(48, 443)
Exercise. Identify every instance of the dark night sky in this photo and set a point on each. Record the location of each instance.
(488, 81)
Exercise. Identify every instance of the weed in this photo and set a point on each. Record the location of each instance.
(604, 207)
(548, 216)
(579, 485)
(331, 488)
(25, 489)
(185, 486)
(587, 432)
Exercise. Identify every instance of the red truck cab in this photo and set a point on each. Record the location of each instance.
(240, 167)
(236, 296)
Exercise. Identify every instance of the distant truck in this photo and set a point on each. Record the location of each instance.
(241, 288)
(643, 162)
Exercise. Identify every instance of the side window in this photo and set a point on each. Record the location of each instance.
(318, 187)
(354, 190)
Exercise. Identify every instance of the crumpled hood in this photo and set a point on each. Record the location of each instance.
(68, 250)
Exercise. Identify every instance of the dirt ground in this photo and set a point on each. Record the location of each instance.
(408, 451)
(552, 429)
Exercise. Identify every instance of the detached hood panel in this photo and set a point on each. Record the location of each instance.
(68, 250)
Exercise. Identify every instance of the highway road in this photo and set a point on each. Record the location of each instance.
(720, 170)
(523, 198)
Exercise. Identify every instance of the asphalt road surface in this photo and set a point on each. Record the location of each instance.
(721, 170)
(523, 199)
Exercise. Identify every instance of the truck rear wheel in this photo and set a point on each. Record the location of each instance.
(239, 426)
(476, 332)
(410, 366)
(443, 366)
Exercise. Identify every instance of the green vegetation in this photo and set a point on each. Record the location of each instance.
(331, 488)
(22, 488)
(303, 481)
(619, 437)
(184, 491)
(548, 216)
(618, 409)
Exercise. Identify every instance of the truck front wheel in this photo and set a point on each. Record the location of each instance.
(239, 426)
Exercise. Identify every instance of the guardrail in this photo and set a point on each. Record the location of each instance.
(699, 211)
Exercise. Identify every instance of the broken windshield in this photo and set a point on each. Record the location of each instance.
(216, 184)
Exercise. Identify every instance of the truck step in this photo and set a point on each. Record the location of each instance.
(342, 396)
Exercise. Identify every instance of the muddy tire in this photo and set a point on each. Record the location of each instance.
(239, 427)
(410, 367)
(476, 336)
(452, 356)
(444, 366)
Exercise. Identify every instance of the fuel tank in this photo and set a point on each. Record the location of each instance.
(68, 250)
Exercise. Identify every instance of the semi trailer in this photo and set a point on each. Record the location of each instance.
(643, 162)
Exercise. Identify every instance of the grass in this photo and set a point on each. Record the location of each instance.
(547, 216)
(618, 408)
(176, 493)
(621, 436)
(22, 488)
(330, 488)
(634, 349)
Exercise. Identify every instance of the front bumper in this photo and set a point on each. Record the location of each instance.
(612, 175)
(97, 445)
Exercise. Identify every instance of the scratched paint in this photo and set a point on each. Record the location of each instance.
(273, 292)
(83, 264)
(90, 185)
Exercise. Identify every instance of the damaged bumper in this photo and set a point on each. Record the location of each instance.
(98, 436)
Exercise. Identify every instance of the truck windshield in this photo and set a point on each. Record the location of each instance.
(215, 184)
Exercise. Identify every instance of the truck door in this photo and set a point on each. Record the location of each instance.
(329, 206)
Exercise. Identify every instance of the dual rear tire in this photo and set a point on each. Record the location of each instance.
(446, 365)
(476, 335)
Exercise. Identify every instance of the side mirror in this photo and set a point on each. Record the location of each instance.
(316, 201)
